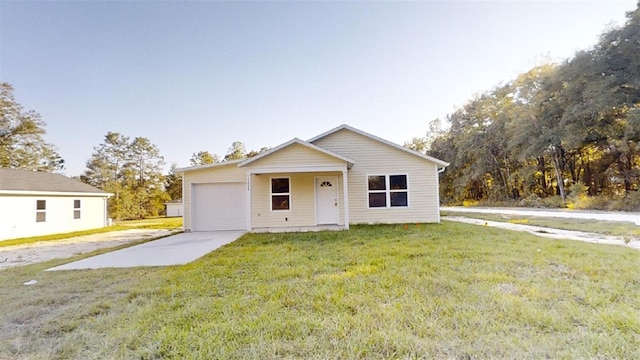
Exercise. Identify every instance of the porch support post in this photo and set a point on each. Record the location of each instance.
(345, 200)
(438, 193)
(248, 205)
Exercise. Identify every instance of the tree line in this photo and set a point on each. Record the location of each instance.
(129, 168)
(22, 144)
(557, 135)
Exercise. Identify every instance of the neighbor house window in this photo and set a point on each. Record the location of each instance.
(41, 210)
(76, 209)
(280, 194)
(388, 191)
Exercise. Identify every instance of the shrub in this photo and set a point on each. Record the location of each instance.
(534, 201)
(600, 202)
(531, 201)
(578, 198)
(553, 202)
(630, 202)
(467, 203)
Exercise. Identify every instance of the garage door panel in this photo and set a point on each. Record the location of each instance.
(219, 206)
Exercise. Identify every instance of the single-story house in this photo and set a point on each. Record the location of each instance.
(173, 208)
(343, 176)
(36, 203)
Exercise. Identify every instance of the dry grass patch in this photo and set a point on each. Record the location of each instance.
(434, 291)
(616, 228)
(174, 223)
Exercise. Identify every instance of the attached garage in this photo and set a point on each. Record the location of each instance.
(219, 206)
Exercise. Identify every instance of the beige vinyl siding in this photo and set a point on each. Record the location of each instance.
(372, 157)
(295, 155)
(219, 174)
(302, 203)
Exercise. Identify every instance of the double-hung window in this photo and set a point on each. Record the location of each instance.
(280, 194)
(388, 191)
(41, 210)
(76, 209)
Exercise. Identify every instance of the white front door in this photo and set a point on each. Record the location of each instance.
(327, 200)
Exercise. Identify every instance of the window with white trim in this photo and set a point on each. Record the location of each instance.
(388, 191)
(41, 210)
(280, 194)
(76, 209)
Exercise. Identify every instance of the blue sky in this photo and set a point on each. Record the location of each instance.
(199, 75)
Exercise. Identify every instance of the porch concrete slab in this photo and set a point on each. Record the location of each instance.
(178, 249)
(299, 229)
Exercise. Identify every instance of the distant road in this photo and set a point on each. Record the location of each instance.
(633, 217)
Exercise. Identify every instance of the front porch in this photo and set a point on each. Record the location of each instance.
(297, 201)
(299, 229)
(297, 186)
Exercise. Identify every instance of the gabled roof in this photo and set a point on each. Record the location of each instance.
(386, 142)
(24, 181)
(248, 161)
(207, 166)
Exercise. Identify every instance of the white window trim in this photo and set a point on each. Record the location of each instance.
(271, 194)
(387, 191)
(44, 211)
(78, 209)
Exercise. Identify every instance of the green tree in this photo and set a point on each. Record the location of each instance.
(107, 163)
(22, 144)
(146, 158)
(236, 151)
(146, 164)
(253, 153)
(552, 130)
(423, 144)
(132, 170)
(203, 158)
(173, 183)
(418, 144)
(539, 131)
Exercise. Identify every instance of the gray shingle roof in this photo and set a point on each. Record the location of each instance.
(24, 180)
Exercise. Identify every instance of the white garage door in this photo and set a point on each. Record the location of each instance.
(220, 206)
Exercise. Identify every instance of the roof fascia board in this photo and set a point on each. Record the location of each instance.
(207, 166)
(300, 142)
(296, 169)
(53, 193)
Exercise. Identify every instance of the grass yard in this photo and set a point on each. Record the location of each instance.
(432, 291)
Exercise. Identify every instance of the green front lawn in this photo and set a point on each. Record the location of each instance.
(431, 291)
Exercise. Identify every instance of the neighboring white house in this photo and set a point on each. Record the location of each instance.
(40, 203)
(173, 208)
(343, 176)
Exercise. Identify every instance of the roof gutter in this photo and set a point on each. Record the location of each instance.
(53, 193)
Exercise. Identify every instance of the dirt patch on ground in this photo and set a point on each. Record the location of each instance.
(19, 255)
(551, 233)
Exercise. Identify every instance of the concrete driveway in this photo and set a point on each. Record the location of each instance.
(173, 250)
